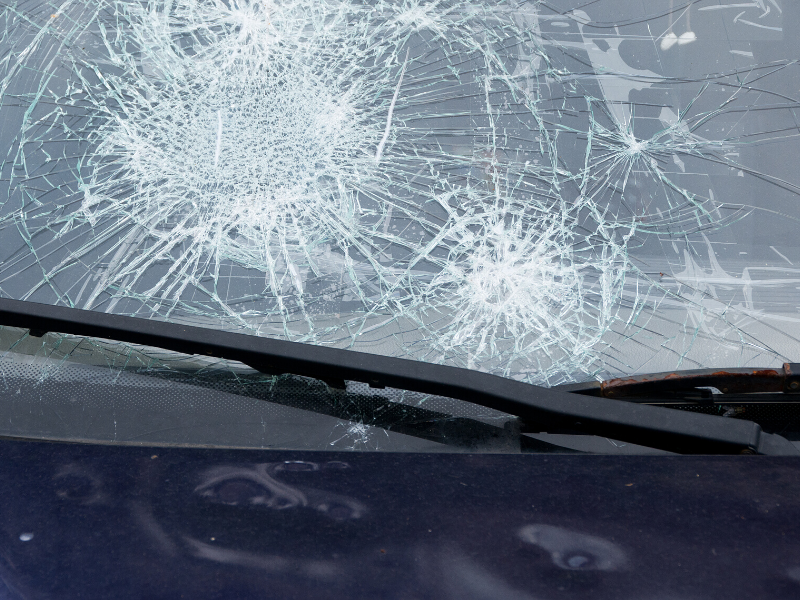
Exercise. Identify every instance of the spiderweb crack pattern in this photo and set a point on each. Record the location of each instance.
(389, 176)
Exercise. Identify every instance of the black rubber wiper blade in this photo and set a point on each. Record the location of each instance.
(540, 409)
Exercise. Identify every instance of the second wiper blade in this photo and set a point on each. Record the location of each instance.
(726, 381)
(541, 409)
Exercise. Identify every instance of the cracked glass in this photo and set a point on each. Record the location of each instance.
(553, 191)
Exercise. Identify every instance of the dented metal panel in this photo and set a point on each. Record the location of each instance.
(161, 522)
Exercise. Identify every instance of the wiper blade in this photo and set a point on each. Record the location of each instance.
(540, 409)
(784, 380)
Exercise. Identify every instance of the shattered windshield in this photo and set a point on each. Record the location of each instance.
(553, 191)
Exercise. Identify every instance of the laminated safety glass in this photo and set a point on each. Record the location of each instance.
(552, 191)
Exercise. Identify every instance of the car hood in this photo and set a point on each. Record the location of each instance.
(90, 521)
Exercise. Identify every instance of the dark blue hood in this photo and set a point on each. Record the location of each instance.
(93, 521)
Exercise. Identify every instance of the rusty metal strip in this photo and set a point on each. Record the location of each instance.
(727, 381)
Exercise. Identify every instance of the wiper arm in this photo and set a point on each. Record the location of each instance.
(540, 409)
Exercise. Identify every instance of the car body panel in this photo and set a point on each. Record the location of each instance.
(92, 521)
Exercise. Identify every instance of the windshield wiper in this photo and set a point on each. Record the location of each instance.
(678, 384)
(540, 409)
